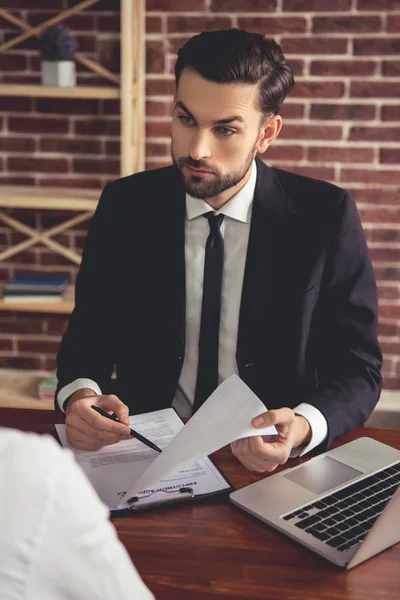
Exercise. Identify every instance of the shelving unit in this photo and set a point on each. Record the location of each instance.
(128, 87)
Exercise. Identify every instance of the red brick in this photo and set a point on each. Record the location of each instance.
(160, 87)
(13, 62)
(291, 110)
(311, 132)
(38, 345)
(36, 124)
(385, 255)
(318, 89)
(6, 345)
(157, 149)
(374, 134)
(151, 164)
(376, 196)
(51, 259)
(385, 235)
(113, 147)
(390, 383)
(153, 24)
(388, 329)
(71, 182)
(158, 108)
(316, 5)
(109, 23)
(389, 311)
(386, 273)
(371, 176)
(388, 292)
(155, 57)
(297, 66)
(97, 127)
(23, 325)
(343, 67)
(14, 104)
(313, 45)
(342, 112)
(277, 152)
(324, 173)
(176, 43)
(55, 325)
(197, 24)
(383, 5)
(273, 25)
(50, 363)
(87, 43)
(73, 145)
(344, 154)
(174, 5)
(375, 89)
(376, 46)
(108, 52)
(21, 362)
(388, 369)
(158, 129)
(393, 23)
(96, 165)
(391, 68)
(111, 107)
(390, 156)
(26, 163)
(346, 24)
(68, 106)
(17, 144)
(10, 180)
(380, 215)
(80, 22)
(240, 6)
(391, 112)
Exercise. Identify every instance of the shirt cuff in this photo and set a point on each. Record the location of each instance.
(72, 387)
(318, 424)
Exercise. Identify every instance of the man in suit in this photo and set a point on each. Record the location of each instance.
(275, 284)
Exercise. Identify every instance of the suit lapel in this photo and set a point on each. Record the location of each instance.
(268, 255)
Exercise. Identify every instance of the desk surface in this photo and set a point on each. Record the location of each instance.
(214, 550)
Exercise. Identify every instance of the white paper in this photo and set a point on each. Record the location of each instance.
(225, 417)
(113, 467)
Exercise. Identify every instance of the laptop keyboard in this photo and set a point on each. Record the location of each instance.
(343, 519)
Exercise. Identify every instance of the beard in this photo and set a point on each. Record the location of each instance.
(205, 188)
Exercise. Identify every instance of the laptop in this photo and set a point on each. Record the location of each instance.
(343, 504)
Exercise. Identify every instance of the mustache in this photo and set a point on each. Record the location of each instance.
(195, 164)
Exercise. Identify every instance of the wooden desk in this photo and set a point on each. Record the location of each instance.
(214, 550)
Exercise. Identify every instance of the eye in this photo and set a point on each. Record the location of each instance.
(225, 131)
(186, 120)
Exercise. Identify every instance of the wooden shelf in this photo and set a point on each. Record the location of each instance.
(13, 196)
(19, 389)
(41, 91)
(64, 306)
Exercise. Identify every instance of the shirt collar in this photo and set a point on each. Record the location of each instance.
(238, 207)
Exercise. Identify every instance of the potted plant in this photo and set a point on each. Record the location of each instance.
(58, 47)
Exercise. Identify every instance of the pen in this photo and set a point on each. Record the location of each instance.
(134, 433)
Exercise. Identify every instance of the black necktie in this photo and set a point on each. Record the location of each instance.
(207, 371)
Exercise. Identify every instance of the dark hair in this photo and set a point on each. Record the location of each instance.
(236, 56)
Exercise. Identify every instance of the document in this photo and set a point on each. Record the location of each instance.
(113, 467)
(130, 470)
(225, 417)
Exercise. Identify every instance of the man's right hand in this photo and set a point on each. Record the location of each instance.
(87, 429)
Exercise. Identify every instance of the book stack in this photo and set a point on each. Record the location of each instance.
(47, 387)
(35, 287)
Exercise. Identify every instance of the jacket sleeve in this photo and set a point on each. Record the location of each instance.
(346, 347)
(87, 348)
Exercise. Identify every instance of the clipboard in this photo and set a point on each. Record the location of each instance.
(163, 498)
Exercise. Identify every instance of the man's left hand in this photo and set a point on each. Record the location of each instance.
(265, 453)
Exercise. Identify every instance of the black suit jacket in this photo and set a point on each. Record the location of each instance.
(308, 317)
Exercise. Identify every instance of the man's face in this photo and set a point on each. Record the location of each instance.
(215, 132)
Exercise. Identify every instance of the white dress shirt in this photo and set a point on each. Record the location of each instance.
(235, 229)
(56, 541)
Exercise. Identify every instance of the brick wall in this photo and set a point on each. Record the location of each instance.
(341, 124)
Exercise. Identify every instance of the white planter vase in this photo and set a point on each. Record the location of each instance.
(58, 73)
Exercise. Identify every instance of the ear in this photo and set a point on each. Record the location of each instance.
(269, 131)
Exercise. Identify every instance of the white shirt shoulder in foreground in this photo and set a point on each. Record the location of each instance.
(56, 541)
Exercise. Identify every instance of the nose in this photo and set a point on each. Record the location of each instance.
(200, 146)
